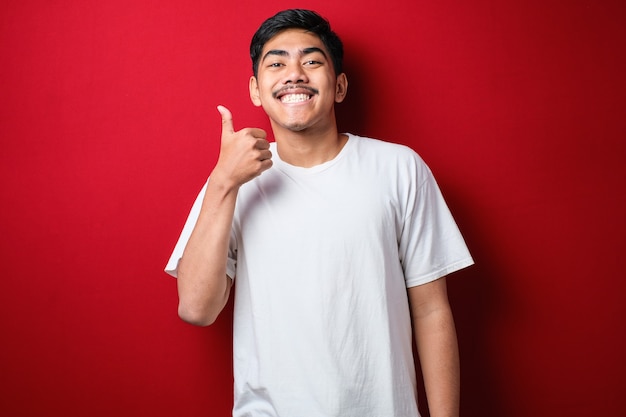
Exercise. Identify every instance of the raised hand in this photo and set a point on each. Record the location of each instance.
(244, 154)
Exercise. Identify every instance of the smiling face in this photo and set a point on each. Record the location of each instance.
(296, 83)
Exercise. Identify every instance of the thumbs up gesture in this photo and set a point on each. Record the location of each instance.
(244, 154)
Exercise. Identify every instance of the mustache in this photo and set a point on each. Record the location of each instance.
(295, 87)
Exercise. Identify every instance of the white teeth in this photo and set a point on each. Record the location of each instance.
(294, 98)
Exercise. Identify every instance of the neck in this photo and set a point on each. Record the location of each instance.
(308, 148)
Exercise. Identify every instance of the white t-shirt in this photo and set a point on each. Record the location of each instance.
(322, 258)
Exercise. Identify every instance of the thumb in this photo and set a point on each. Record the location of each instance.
(227, 120)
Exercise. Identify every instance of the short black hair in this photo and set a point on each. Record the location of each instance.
(297, 19)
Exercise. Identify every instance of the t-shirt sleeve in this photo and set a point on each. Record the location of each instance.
(431, 245)
(172, 265)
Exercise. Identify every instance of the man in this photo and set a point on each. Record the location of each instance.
(337, 244)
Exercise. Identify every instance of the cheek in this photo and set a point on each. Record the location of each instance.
(266, 90)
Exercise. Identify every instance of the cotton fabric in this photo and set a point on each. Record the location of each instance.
(322, 258)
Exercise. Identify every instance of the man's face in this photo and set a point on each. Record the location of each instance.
(296, 83)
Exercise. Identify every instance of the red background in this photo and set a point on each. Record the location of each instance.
(108, 128)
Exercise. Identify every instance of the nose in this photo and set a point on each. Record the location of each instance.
(295, 74)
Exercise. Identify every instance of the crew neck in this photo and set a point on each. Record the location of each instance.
(293, 169)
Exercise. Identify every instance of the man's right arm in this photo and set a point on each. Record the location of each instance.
(203, 286)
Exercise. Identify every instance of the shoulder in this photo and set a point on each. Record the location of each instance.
(382, 147)
(384, 152)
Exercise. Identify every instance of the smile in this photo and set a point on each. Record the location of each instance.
(294, 98)
(293, 94)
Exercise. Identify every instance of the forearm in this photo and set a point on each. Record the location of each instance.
(439, 358)
(203, 286)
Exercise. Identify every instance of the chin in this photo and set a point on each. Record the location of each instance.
(293, 125)
(296, 127)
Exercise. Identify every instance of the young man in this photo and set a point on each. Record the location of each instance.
(338, 244)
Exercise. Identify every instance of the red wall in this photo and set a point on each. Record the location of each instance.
(108, 128)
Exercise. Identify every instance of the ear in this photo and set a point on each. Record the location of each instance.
(254, 91)
(341, 89)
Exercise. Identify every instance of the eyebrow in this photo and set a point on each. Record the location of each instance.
(303, 52)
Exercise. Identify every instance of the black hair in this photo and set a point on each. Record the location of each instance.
(298, 19)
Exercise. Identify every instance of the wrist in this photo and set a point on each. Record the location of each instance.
(223, 184)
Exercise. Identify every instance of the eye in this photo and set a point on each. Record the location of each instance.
(312, 63)
(275, 65)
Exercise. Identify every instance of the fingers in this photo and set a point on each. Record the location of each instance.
(265, 155)
(227, 120)
(262, 144)
(228, 127)
(244, 154)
